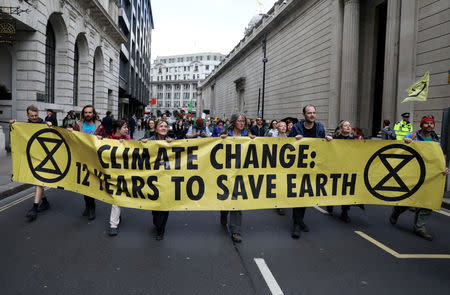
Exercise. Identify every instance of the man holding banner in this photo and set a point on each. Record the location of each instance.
(89, 124)
(426, 133)
(39, 196)
(305, 128)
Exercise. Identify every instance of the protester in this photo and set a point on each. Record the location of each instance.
(387, 133)
(425, 133)
(308, 127)
(107, 123)
(272, 130)
(151, 129)
(258, 129)
(179, 130)
(404, 127)
(281, 132)
(344, 132)
(51, 117)
(120, 130)
(39, 195)
(89, 124)
(198, 130)
(69, 120)
(218, 129)
(236, 128)
(132, 126)
(160, 217)
(357, 133)
(289, 125)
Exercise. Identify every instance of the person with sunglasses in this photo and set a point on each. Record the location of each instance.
(426, 133)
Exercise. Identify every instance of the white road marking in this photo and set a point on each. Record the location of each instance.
(320, 210)
(443, 212)
(18, 201)
(268, 277)
(398, 255)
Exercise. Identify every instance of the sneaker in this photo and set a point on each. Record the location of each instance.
(423, 234)
(393, 219)
(32, 214)
(296, 232)
(159, 237)
(113, 231)
(91, 214)
(223, 219)
(281, 212)
(44, 205)
(236, 238)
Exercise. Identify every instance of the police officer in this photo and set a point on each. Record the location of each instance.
(404, 127)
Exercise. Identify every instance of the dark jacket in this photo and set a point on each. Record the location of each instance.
(297, 129)
(107, 124)
(419, 137)
(258, 131)
(52, 118)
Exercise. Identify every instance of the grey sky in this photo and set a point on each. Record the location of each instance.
(191, 26)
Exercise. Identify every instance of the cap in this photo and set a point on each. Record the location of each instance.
(405, 115)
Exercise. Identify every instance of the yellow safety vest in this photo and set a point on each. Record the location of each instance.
(402, 129)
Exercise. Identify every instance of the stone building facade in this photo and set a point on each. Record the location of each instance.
(175, 79)
(353, 59)
(65, 55)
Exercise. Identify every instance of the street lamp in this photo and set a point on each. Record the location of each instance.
(264, 60)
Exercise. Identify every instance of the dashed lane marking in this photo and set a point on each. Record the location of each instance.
(18, 201)
(398, 255)
(268, 277)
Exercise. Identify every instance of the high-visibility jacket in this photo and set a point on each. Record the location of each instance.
(402, 129)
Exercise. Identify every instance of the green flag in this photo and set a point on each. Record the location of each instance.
(190, 106)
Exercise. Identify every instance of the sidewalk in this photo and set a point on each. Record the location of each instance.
(8, 187)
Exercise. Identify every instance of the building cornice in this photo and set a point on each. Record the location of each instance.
(99, 14)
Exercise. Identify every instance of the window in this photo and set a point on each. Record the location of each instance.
(186, 86)
(208, 57)
(207, 67)
(160, 87)
(177, 95)
(167, 70)
(177, 87)
(167, 104)
(76, 61)
(194, 86)
(215, 57)
(169, 87)
(176, 104)
(196, 69)
(186, 95)
(50, 46)
(168, 96)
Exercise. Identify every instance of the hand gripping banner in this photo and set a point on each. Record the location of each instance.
(236, 173)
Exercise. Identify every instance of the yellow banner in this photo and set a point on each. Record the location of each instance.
(229, 174)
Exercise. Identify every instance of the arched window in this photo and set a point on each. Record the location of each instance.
(50, 64)
(76, 62)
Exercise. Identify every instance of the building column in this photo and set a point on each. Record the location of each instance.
(350, 49)
(337, 9)
(391, 60)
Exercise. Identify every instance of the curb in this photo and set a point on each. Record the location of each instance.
(446, 204)
(14, 190)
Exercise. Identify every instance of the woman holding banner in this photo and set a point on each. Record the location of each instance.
(235, 128)
(120, 130)
(160, 217)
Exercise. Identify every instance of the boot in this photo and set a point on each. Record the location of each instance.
(393, 218)
(296, 232)
(91, 214)
(236, 238)
(344, 217)
(32, 213)
(423, 234)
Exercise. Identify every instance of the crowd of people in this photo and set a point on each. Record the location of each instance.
(237, 125)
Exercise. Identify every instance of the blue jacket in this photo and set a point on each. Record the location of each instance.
(417, 136)
(297, 129)
(243, 133)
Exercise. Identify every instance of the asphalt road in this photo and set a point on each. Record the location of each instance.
(63, 253)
